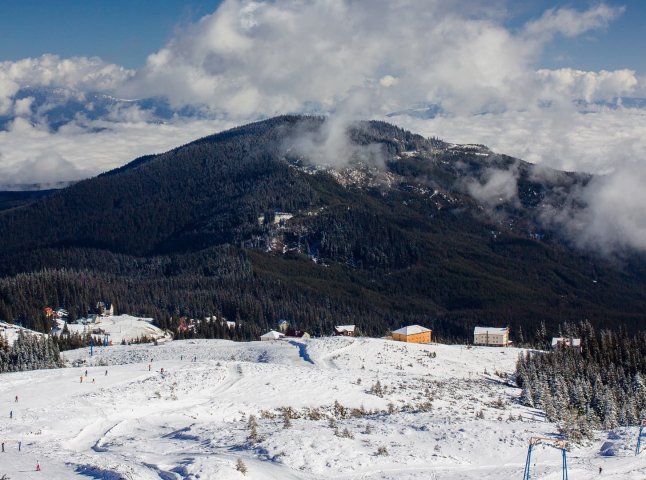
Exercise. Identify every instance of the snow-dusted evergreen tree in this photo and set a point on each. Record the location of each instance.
(599, 386)
(29, 352)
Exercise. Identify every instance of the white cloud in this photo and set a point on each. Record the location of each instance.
(30, 154)
(78, 73)
(496, 187)
(607, 215)
(253, 58)
(569, 22)
(614, 217)
(567, 83)
(22, 107)
(388, 81)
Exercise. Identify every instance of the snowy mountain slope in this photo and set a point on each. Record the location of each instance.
(10, 332)
(192, 421)
(119, 327)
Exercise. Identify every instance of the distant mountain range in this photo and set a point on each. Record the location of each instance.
(270, 221)
(56, 107)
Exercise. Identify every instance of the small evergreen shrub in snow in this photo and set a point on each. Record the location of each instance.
(344, 434)
(241, 467)
(314, 414)
(287, 421)
(339, 410)
(377, 389)
(382, 451)
(253, 435)
(358, 412)
(253, 432)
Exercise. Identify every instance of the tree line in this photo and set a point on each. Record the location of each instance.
(29, 352)
(601, 385)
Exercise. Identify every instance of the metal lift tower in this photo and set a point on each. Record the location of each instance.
(550, 442)
(640, 435)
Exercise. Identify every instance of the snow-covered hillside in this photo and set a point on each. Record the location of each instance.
(118, 328)
(9, 332)
(358, 409)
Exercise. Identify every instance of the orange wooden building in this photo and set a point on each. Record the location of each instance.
(413, 334)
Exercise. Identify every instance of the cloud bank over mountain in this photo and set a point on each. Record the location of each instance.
(478, 79)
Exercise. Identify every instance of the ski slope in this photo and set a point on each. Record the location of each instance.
(191, 422)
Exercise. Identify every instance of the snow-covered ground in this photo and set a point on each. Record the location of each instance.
(191, 422)
(9, 332)
(119, 327)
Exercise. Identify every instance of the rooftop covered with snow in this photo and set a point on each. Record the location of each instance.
(489, 330)
(412, 330)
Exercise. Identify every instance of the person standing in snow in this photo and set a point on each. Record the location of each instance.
(19, 446)
(16, 398)
(38, 466)
(106, 373)
(10, 413)
(81, 378)
(2, 447)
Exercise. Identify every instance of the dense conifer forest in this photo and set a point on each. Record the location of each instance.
(195, 232)
(601, 385)
(29, 352)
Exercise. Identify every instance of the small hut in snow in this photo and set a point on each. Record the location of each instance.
(271, 335)
(344, 330)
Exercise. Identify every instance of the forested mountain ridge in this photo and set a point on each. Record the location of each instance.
(390, 229)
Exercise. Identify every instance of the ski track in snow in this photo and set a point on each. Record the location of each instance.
(191, 421)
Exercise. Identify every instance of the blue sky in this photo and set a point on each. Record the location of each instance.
(618, 46)
(119, 31)
(125, 32)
